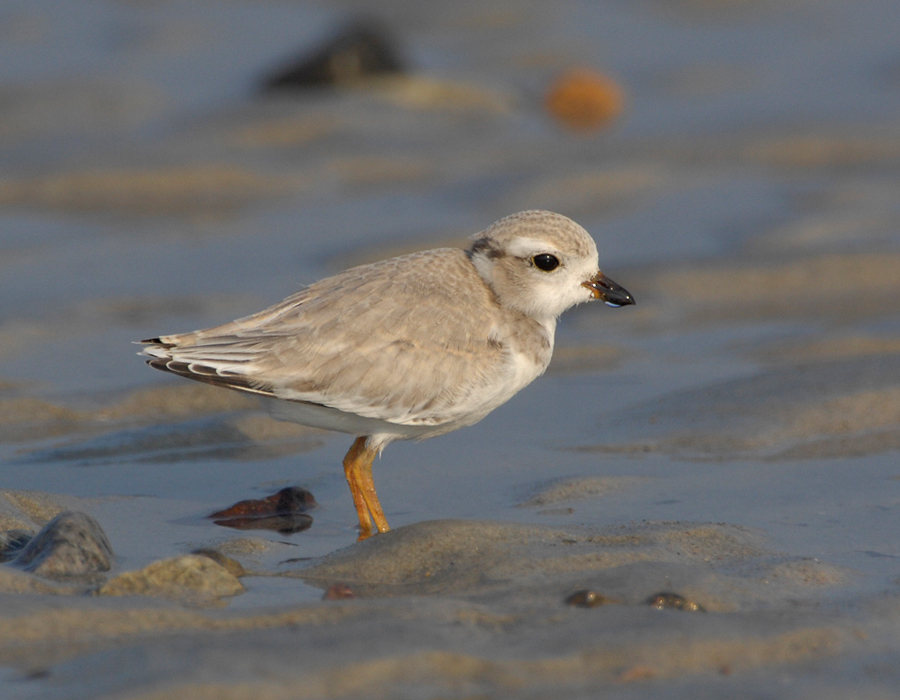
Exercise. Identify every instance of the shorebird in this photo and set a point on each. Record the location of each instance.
(406, 348)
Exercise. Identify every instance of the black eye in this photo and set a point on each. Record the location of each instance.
(545, 262)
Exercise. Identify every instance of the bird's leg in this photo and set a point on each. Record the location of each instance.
(368, 490)
(358, 470)
(351, 471)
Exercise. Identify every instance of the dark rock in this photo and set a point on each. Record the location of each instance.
(72, 544)
(355, 53)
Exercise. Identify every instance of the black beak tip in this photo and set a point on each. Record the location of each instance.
(610, 293)
(623, 300)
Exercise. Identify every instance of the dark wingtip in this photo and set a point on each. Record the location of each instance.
(208, 375)
(155, 341)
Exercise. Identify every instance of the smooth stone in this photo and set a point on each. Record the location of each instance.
(72, 544)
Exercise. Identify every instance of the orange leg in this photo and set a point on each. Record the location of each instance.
(358, 470)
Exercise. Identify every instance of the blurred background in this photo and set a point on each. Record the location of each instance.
(166, 166)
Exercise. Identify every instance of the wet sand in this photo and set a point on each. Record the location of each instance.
(726, 449)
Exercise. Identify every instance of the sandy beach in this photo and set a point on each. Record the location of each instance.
(701, 497)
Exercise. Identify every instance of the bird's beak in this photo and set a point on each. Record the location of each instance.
(602, 287)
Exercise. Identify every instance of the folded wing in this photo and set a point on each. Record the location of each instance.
(380, 341)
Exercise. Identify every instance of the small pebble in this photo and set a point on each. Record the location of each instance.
(72, 544)
(339, 591)
(587, 598)
(585, 100)
(673, 601)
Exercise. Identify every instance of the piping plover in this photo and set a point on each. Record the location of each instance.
(410, 347)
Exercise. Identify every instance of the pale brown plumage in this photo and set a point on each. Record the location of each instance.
(298, 348)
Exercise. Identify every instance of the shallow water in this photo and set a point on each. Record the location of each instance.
(743, 418)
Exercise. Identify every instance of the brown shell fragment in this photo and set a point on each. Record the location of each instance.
(284, 512)
(339, 591)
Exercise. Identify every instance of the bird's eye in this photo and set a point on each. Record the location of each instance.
(545, 262)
